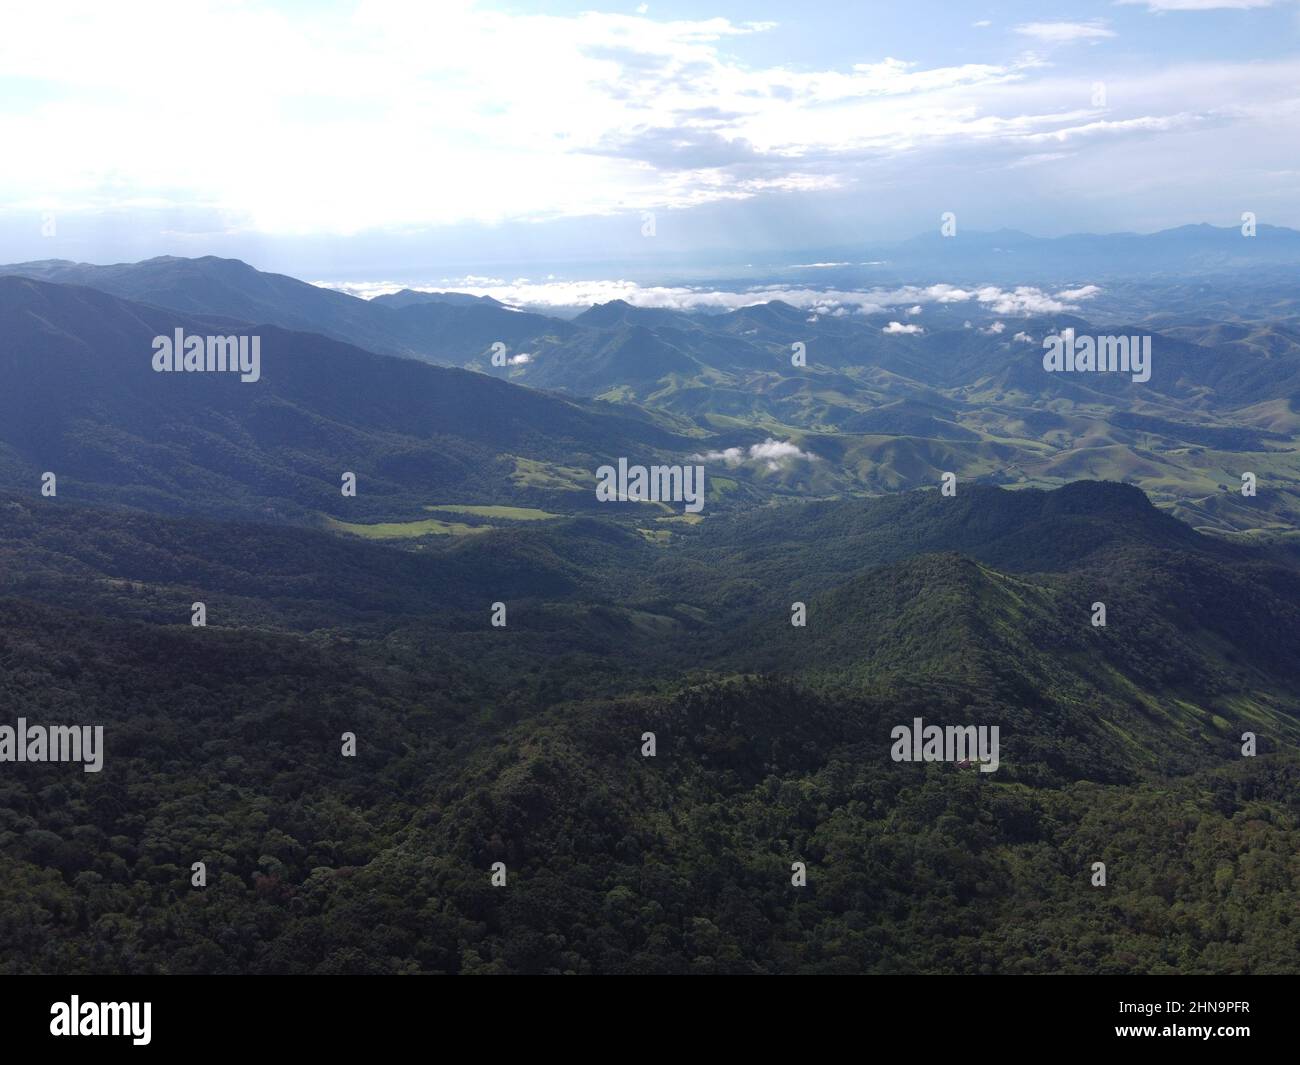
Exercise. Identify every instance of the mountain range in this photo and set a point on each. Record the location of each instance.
(763, 651)
(871, 410)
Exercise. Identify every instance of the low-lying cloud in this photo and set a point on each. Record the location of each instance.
(906, 300)
(771, 452)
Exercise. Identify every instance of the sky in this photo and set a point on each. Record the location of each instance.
(402, 138)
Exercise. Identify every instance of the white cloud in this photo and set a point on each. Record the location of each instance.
(1084, 292)
(771, 452)
(1027, 299)
(522, 292)
(1140, 124)
(994, 329)
(899, 329)
(1065, 32)
(732, 456)
(443, 107)
(1023, 338)
(777, 449)
(520, 359)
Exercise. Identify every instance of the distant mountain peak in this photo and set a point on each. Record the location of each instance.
(618, 312)
(410, 297)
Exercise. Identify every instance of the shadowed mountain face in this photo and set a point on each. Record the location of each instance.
(436, 327)
(86, 403)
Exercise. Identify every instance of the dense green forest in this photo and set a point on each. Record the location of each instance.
(523, 744)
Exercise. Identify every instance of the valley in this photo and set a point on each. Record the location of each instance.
(867, 414)
(498, 641)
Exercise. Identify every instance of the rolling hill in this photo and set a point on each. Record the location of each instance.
(886, 412)
(524, 745)
(86, 404)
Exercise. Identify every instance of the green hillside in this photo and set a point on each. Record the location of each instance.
(523, 744)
